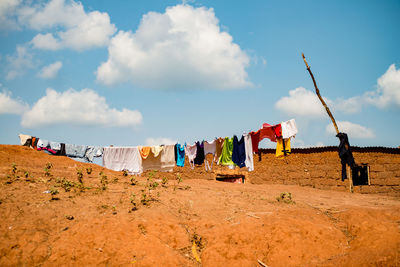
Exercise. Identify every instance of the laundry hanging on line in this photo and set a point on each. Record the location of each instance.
(226, 151)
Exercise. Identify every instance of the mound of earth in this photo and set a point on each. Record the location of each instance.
(57, 211)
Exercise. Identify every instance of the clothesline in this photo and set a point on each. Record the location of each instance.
(137, 159)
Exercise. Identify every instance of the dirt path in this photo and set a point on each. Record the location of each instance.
(230, 224)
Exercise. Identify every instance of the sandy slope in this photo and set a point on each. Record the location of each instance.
(231, 224)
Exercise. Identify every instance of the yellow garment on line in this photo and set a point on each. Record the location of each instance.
(280, 151)
(156, 150)
(144, 151)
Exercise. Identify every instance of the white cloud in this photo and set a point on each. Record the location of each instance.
(182, 48)
(83, 107)
(18, 63)
(54, 13)
(82, 30)
(8, 9)
(388, 89)
(9, 105)
(348, 106)
(352, 129)
(159, 141)
(302, 102)
(46, 42)
(50, 71)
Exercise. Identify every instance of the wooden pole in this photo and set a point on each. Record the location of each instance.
(319, 96)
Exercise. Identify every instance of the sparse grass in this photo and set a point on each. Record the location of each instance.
(64, 183)
(134, 181)
(178, 178)
(68, 185)
(153, 185)
(9, 179)
(79, 174)
(133, 202)
(14, 168)
(103, 181)
(285, 197)
(125, 173)
(164, 182)
(89, 170)
(54, 192)
(145, 199)
(12, 176)
(47, 168)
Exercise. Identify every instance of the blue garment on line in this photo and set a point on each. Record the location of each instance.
(180, 152)
(239, 152)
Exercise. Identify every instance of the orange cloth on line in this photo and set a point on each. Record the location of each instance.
(144, 151)
(282, 148)
(33, 142)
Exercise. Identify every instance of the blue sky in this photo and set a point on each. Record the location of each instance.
(149, 72)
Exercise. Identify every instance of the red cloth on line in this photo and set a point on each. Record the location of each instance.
(272, 132)
(255, 139)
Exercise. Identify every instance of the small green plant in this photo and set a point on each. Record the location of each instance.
(54, 192)
(89, 170)
(178, 178)
(134, 202)
(28, 177)
(125, 173)
(79, 173)
(103, 181)
(14, 168)
(13, 174)
(285, 197)
(153, 185)
(47, 168)
(151, 175)
(145, 200)
(9, 179)
(164, 181)
(65, 184)
(115, 180)
(134, 181)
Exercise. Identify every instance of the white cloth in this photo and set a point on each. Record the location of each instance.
(55, 146)
(123, 158)
(248, 147)
(156, 150)
(289, 129)
(168, 158)
(190, 152)
(209, 148)
(42, 143)
(93, 151)
(23, 138)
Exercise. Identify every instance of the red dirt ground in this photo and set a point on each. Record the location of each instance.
(230, 224)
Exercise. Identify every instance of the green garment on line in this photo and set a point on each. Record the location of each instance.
(226, 154)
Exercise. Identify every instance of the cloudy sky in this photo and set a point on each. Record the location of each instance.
(150, 72)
